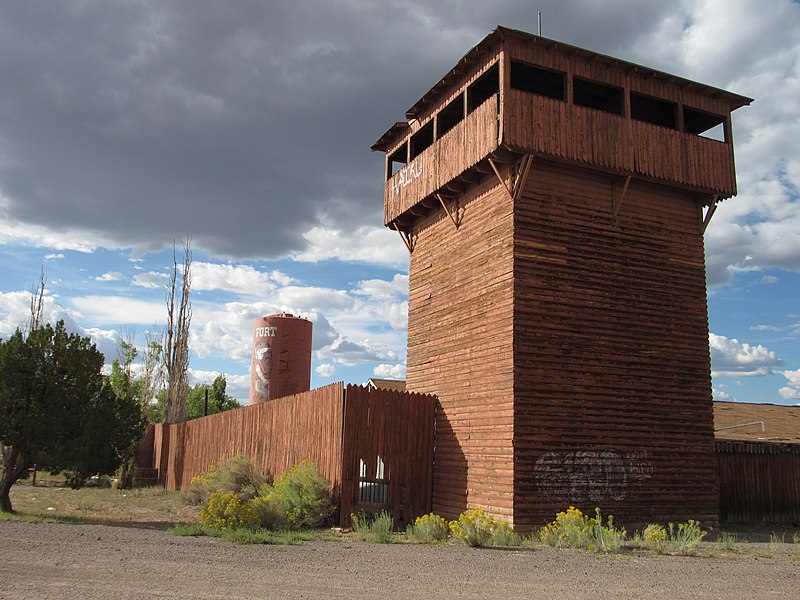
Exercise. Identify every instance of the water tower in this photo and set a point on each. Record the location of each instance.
(554, 201)
(281, 361)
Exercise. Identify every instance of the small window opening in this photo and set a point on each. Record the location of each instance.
(373, 490)
(397, 160)
(450, 116)
(597, 95)
(483, 88)
(704, 124)
(421, 140)
(539, 81)
(654, 110)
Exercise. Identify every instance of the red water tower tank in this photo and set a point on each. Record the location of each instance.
(281, 362)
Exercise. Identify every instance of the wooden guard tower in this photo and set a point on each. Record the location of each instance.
(554, 201)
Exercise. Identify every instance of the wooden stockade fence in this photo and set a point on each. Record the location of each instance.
(758, 482)
(361, 439)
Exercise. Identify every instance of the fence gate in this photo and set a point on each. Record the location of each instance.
(387, 454)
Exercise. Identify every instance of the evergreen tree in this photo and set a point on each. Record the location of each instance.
(56, 406)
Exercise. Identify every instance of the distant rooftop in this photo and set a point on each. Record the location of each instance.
(756, 422)
(398, 385)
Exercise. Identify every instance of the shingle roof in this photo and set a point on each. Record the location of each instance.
(741, 421)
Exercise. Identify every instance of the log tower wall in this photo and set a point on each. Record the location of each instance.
(554, 201)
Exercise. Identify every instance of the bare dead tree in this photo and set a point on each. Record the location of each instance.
(37, 303)
(152, 376)
(176, 344)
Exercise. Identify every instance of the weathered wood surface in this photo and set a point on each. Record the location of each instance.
(562, 130)
(276, 434)
(612, 375)
(397, 427)
(459, 344)
(759, 482)
(462, 147)
(332, 426)
(557, 129)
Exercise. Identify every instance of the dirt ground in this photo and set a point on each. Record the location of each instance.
(47, 560)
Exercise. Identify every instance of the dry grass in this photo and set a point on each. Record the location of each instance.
(142, 506)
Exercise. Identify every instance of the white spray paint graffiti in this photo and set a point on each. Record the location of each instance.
(589, 475)
(406, 176)
(639, 465)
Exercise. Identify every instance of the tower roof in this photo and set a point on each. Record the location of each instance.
(500, 35)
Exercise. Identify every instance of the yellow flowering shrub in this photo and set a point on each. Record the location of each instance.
(573, 529)
(655, 535)
(428, 529)
(475, 528)
(225, 510)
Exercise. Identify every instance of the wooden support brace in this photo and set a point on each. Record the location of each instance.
(618, 197)
(405, 237)
(522, 177)
(709, 213)
(447, 210)
(500, 178)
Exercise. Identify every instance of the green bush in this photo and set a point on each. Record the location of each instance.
(606, 538)
(271, 509)
(378, 529)
(428, 529)
(300, 499)
(304, 494)
(237, 474)
(686, 536)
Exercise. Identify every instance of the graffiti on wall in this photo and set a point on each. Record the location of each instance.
(406, 176)
(590, 475)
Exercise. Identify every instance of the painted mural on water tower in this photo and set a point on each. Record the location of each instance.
(281, 358)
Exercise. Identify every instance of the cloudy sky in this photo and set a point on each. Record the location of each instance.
(247, 124)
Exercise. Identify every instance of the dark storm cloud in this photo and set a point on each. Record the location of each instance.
(244, 123)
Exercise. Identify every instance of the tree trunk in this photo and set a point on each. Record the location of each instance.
(126, 471)
(14, 466)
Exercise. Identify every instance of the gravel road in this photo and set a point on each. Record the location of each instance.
(44, 560)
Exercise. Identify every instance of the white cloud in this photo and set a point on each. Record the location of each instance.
(282, 278)
(110, 276)
(792, 390)
(15, 311)
(203, 377)
(118, 310)
(325, 370)
(58, 256)
(241, 279)
(381, 290)
(732, 358)
(237, 386)
(722, 395)
(38, 236)
(151, 280)
(307, 298)
(350, 354)
(758, 229)
(398, 315)
(388, 371)
(226, 330)
(376, 245)
(106, 341)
